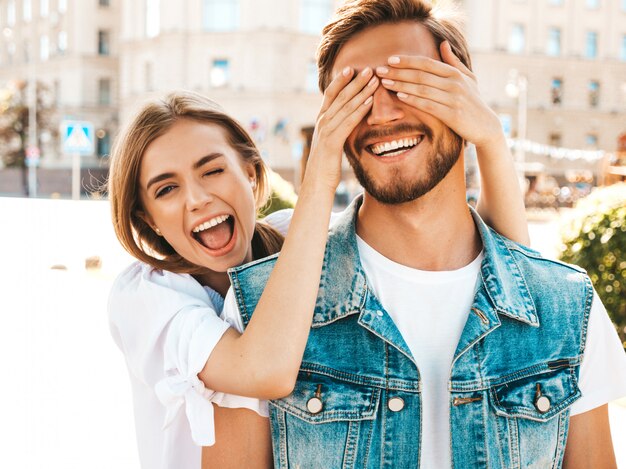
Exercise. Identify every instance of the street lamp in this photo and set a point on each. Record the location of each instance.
(517, 87)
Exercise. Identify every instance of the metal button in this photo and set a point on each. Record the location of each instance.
(314, 405)
(542, 404)
(395, 404)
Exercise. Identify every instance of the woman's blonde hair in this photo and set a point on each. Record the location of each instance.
(153, 120)
(443, 21)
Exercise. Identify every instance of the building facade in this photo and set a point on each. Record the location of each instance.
(70, 46)
(571, 55)
(256, 58)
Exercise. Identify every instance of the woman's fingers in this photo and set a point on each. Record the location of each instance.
(448, 57)
(348, 92)
(334, 88)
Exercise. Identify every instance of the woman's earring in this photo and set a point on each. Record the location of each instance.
(253, 183)
(157, 231)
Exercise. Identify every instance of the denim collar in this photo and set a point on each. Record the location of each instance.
(343, 286)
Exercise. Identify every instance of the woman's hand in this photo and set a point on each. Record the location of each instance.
(346, 101)
(446, 90)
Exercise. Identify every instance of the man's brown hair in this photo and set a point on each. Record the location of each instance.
(356, 15)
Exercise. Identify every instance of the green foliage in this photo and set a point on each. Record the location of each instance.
(283, 195)
(595, 239)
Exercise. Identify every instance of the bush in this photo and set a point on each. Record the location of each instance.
(283, 195)
(595, 239)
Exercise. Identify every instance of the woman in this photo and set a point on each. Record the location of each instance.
(185, 181)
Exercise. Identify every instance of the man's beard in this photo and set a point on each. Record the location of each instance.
(444, 153)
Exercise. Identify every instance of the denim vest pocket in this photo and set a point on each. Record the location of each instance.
(318, 398)
(325, 422)
(538, 396)
(532, 414)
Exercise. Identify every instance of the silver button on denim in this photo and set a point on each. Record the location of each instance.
(395, 404)
(314, 405)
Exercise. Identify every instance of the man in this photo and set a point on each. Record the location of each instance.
(436, 342)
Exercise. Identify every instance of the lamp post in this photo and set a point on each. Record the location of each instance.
(33, 147)
(517, 87)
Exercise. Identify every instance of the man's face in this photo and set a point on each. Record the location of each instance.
(398, 152)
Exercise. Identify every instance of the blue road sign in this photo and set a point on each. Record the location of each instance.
(78, 137)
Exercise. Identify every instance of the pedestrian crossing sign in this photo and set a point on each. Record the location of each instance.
(77, 137)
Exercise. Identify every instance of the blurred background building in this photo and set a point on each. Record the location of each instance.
(554, 70)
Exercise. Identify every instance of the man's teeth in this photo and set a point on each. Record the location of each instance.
(395, 144)
(211, 223)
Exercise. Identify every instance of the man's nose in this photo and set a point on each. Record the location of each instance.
(197, 197)
(386, 107)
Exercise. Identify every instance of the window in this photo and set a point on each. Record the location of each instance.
(26, 50)
(556, 2)
(517, 39)
(104, 91)
(62, 42)
(11, 13)
(153, 18)
(103, 143)
(591, 140)
(62, 6)
(103, 43)
(623, 52)
(556, 91)
(44, 8)
(220, 15)
(44, 48)
(27, 10)
(594, 93)
(220, 73)
(554, 42)
(104, 3)
(11, 51)
(592, 4)
(555, 139)
(148, 77)
(314, 14)
(623, 5)
(311, 85)
(591, 45)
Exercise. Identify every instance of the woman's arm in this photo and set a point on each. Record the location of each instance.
(448, 90)
(264, 361)
(244, 441)
(589, 443)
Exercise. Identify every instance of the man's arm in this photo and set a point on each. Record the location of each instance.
(589, 444)
(242, 440)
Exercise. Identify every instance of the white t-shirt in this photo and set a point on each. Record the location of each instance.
(413, 297)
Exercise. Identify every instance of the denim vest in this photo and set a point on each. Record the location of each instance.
(514, 375)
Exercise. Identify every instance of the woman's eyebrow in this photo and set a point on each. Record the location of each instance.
(205, 159)
(198, 164)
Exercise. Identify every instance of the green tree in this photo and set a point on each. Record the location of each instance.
(14, 122)
(595, 239)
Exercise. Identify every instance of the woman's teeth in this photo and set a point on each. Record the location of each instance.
(380, 148)
(211, 223)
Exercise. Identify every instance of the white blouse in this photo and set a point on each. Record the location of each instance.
(167, 325)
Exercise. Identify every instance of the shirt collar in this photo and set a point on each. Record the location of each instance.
(343, 285)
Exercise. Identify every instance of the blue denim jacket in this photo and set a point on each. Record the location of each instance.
(514, 375)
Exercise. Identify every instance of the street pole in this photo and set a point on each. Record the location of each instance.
(32, 115)
(76, 176)
(522, 120)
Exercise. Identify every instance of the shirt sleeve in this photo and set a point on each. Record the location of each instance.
(167, 328)
(602, 375)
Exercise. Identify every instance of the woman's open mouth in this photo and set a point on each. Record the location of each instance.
(217, 234)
